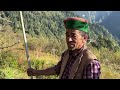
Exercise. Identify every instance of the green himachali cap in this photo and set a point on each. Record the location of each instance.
(76, 23)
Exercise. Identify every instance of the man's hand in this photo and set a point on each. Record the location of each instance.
(31, 72)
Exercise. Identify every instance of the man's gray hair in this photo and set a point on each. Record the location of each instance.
(84, 34)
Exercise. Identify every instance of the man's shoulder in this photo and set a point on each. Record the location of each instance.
(89, 55)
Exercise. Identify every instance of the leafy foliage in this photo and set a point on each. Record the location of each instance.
(102, 38)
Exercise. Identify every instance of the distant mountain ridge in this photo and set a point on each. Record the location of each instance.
(108, 19)
(112, 23)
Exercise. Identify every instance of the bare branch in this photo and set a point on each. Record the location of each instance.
(10, 45)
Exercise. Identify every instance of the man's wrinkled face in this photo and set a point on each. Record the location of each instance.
(74, 39)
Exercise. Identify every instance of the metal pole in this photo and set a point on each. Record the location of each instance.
(25, 41)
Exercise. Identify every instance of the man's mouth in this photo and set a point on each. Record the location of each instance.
(71, 44)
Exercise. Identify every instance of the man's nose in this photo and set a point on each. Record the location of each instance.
(70, 39)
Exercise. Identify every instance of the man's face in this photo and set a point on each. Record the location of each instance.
(74, 39)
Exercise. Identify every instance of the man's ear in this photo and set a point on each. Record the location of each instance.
(85, 38)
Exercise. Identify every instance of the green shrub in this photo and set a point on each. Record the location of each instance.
(33, 44)
(8, 59)
(37, 64)
(2, 74)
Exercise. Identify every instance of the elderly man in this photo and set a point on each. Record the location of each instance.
(77, 62)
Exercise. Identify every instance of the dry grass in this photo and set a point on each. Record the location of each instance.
(109, 72)
(110, 63)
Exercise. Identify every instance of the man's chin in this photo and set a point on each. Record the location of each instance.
(71, 48)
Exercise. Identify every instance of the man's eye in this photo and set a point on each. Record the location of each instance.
(67, 35)
(73, 35)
